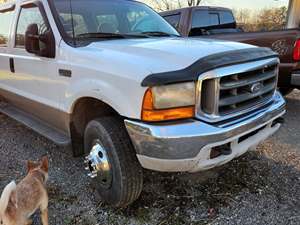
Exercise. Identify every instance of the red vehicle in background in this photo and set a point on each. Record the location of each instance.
(220, 23)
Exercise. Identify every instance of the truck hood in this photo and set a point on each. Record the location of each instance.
(158, 55)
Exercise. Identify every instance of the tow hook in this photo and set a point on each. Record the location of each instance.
(279, 120)
(220, 150)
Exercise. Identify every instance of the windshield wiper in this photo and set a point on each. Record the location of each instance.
(159, 34)
(110, 35)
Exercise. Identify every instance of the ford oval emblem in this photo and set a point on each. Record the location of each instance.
(257, 87)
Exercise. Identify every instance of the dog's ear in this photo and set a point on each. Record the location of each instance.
(31, 165)
(45, 164)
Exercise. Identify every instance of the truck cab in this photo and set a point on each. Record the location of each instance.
(117, 83)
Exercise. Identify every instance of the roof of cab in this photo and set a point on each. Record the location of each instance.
(197, 8)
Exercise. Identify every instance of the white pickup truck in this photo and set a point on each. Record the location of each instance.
(114, 80)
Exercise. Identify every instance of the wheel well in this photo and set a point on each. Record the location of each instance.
(85, 110)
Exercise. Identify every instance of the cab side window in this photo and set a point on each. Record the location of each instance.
(29, 16)
(204, 18)
(174, 20)
(226, 17)
(6, 18)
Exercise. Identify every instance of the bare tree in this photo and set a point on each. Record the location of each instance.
(194, 2)
(242, 16)
(263, 20)
(272, 19)
(179, 4)
(163, 5)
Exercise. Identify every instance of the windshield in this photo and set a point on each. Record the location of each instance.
(88, 19)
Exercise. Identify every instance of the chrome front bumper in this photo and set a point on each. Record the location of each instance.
(186, 145)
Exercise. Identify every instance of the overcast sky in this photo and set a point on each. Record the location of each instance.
(249, 4)
(252, 4)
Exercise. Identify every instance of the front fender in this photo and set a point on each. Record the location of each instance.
(124, 98)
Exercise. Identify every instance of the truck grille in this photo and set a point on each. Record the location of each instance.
(223, 96)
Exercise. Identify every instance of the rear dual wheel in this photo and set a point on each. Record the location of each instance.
(111, 161)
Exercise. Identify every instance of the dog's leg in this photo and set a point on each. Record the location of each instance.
(44, 211)
(29, 222)
(44, 216)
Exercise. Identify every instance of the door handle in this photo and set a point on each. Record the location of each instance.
(12, 65)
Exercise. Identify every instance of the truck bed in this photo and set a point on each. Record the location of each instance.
(282, 42)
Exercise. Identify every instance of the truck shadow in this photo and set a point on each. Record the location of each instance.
(203, 197)
(289, 132)
(293, 102)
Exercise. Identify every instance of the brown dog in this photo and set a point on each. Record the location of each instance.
(19, 202)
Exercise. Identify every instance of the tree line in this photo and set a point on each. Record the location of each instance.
(262, 20)
(248, 20)
(163, 5)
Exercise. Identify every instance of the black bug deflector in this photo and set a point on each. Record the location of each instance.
(208, 63)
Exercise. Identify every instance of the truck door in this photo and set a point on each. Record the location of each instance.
(6, 18)
(34, 76)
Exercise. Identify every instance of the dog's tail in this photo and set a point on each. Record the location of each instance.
(4, 200)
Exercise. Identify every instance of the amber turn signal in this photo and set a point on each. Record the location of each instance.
(150, 114)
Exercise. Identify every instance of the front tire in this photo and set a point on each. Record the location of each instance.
(123, 182)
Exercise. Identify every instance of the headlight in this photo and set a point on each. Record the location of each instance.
(175, 95)
(169, 102)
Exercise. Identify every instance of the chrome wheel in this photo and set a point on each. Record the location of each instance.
(97, 163)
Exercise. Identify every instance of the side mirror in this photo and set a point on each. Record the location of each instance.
(32, 42)
(39, 44)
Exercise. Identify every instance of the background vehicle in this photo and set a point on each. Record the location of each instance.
(116, 81)
(219, 23)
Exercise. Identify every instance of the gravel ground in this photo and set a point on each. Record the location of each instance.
(262, 187)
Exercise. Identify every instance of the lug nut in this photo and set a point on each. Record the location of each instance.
(91, 175)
